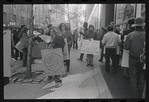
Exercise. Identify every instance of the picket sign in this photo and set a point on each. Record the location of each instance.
(90, 47)
(52, 60)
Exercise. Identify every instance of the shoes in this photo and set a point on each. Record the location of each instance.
(79, 59)
(87, 65)
(58, 84)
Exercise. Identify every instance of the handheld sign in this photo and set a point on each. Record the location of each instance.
(52, 60)
(90, 47)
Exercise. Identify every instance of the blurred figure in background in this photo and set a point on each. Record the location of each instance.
(103, 31)
(75, 39)
(24, 39)
(85, 25)
(16, 40)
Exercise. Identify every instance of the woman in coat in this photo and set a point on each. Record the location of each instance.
(57, 41)
(66, 33)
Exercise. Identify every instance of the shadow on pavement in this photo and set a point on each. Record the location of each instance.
(118, 86)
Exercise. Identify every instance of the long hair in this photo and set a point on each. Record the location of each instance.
(56, 31)
(24, 30)
(60, 26)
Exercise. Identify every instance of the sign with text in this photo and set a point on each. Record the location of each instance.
(7, 52)
(90, 47)
(53, 62)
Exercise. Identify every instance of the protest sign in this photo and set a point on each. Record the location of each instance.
(52, 60)
(65, 51)
(90, 47)
(7, 52)
(46, 38)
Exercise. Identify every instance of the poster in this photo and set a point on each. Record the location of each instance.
(7, 52)
(65, 52)
(90, 47)
(125, 58)
(46, 38)
(52, 60)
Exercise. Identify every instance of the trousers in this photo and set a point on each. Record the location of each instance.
(136, 74)
(89, 58)
(110, 53)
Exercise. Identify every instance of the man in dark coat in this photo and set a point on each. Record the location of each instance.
(135, 43)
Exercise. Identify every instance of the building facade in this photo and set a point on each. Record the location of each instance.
(14, 15)
(89, 8)
(45, 14)
(40, 14)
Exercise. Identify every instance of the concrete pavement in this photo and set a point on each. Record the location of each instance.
(80, 82)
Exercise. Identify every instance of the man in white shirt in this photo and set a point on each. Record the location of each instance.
(111, 41)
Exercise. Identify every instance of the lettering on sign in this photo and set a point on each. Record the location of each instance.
(90, 47)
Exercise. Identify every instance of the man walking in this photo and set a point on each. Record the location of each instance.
(111, 41)
(102, 33)
(85, 30)
(134, 43)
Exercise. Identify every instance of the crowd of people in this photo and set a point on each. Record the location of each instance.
(113, 42)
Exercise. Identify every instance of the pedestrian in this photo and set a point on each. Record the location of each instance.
(130, 29)
(19, 30)
(85, 25)
(90, 35)
(117, 31)
(134, 43)
(57, 41)
(16, 40)
(75, 39)
(102, 33)
(110, 41)
(67, 35)
(24, 40)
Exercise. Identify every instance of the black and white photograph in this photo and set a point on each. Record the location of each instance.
(74, 51)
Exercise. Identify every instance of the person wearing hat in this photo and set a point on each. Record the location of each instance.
(135, 43)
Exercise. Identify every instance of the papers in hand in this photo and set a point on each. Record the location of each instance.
(46, 38)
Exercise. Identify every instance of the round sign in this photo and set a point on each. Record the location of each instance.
(53, 62)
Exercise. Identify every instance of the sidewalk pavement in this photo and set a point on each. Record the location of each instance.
(80, 82)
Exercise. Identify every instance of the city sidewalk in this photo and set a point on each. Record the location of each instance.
(80, 82)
